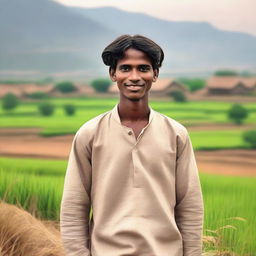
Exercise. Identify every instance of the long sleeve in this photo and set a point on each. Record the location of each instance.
(76, 203)
(189, 210)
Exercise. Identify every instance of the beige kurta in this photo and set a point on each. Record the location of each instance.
(145, 193)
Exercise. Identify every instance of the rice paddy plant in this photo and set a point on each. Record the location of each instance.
(217, 139)
(230, 210)
(38, 194)
(39, 167)
(190, 113)
(230, 214)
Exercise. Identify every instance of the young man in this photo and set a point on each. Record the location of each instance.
(135, 167)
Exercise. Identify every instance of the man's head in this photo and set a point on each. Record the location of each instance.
(115, 51)
(134, 63)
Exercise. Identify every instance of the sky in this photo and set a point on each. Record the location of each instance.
(234, 15)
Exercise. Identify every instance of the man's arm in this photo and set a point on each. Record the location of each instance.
(189, 210)
(76, 202)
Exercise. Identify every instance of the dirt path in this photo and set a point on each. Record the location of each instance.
(27, 143)
(222, 127)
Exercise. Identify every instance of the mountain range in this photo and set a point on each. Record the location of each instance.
(45, 38)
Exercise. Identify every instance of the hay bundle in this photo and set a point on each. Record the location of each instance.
(23, 235)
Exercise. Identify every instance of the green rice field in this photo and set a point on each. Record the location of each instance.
(37, 185)
(189, 113)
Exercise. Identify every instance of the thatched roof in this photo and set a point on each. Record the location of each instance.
(23, 89)
(229, 82)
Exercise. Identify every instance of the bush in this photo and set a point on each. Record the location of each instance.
(226, 73)
(250, 137)
(101, 84)
(38, 95)
(237, 113)
(69, 109)
(10, 101)
(178, 96)
(65, 87)
(46, 108)
(193, 84)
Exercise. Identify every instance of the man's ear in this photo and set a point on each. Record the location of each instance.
(112, 74)
(156, 73)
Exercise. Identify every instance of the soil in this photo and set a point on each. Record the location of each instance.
(27, 143)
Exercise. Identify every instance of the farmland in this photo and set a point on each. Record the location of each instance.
(189, 114)
(36, 183)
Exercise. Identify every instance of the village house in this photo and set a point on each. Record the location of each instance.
(162, 87)
(231, 85)
(22, 90)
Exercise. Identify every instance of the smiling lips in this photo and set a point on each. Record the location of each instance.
(133, 87)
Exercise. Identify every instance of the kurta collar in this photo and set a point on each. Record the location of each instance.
(116, 116)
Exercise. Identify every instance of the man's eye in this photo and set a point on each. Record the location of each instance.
(144, 68)
(124, 68)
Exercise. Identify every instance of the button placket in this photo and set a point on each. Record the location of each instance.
(136, 172)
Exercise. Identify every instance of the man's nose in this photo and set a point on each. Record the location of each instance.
(134, 75)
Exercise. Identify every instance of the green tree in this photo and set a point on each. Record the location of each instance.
(10, 101)
(69, 109)
(226, 72)
(38, 95)
(250, 137)
(101, 84)
(65, 87)
(46, 108)
(193, 84)
(178, 96)
(237, 113)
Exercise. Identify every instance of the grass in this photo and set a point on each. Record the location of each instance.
(37, 185)
(227, 197)
(33, 183)
(190, 113)
(209, 140)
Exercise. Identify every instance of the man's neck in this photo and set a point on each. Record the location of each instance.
(133, 110)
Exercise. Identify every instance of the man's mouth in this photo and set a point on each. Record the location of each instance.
(133, 87)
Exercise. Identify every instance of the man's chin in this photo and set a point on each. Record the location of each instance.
(134, 98)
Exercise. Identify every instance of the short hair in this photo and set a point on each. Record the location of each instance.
(115, 50)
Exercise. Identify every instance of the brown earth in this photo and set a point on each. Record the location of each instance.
(27, 143)
(221, 127)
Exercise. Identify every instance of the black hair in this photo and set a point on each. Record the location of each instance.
(115, 50)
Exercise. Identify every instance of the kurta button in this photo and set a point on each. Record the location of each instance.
(130, 132)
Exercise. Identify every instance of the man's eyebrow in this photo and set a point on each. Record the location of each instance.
(124, 65)
(144, 65)
(140, 65)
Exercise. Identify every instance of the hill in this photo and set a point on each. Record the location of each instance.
(42, 37)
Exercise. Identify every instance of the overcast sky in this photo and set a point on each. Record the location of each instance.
(236, 15)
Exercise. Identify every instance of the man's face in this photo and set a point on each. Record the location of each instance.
(134, 75)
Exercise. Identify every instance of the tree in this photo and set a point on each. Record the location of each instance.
(46, 108)
(250, 137)
(65, 87)
(69, 109)
(178, 96)
(10, 101)
(193, 84)
(38, 95)
(101, 84)
(226, 72)
(237, 113)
